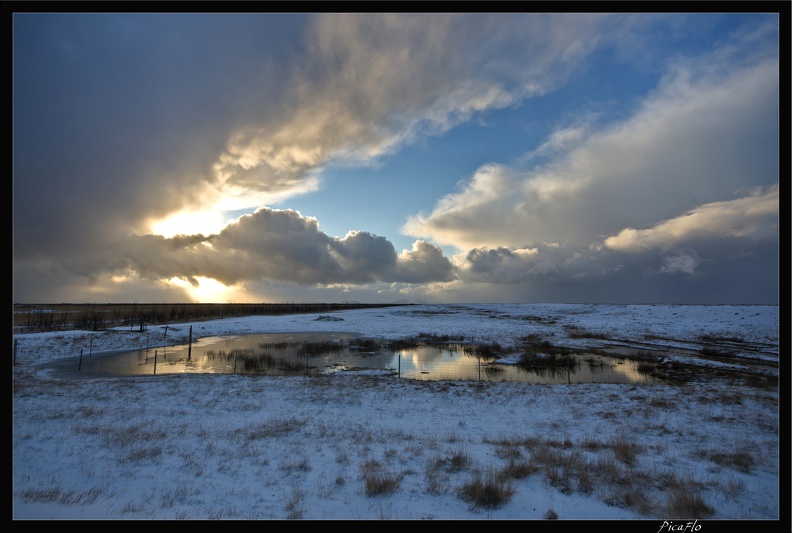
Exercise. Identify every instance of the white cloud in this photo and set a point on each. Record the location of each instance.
(752, 217)
(280, 245)
(248, 127)
(423, 263)
(699, 136)
(685, 261)
(370, 84)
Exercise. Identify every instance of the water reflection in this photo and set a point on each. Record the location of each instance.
(282, 354)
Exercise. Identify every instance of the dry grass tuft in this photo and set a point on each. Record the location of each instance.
(294, 506)
(436, 478)
(625, 450)
(457, 461)
(685, 500)
(488, 490)
(521, 469)
(739, 460)
(275, 428)
(63, 497)
(377, 481)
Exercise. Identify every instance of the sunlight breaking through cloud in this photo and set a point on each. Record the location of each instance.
(554, 156)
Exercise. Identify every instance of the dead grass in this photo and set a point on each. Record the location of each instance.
(377, 481)
(63, 496)
(685, 499)
(519, 469)
(624, 449)
(608, 467)
(487, 490)
(740, 460)
(274, 428)
(628, 496)
(144, 453)
(457, 461)
(591, 444)
(294, 505)
(576, 332)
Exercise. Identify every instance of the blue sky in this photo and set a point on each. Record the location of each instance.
(517, 157)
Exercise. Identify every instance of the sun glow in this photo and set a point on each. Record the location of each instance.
(209, 290)
(189, 223)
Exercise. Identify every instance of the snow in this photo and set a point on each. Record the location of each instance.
(237, 447)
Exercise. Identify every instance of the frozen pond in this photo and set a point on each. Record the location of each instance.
(289, 354)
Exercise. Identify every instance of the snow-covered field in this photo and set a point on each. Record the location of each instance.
(242, 447)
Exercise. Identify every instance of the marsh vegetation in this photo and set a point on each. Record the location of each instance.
(356, 444)
(422, 356)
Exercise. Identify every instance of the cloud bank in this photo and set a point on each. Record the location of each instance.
(675, 191)
(283, 245)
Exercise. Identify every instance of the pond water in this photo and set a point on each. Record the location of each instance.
(288, 354)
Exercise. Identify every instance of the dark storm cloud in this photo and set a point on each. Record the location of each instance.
(281, 245)
(116, 120)
(688, 259)
(121, 120)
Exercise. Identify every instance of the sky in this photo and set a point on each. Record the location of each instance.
(396, 157)
(231, 447)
